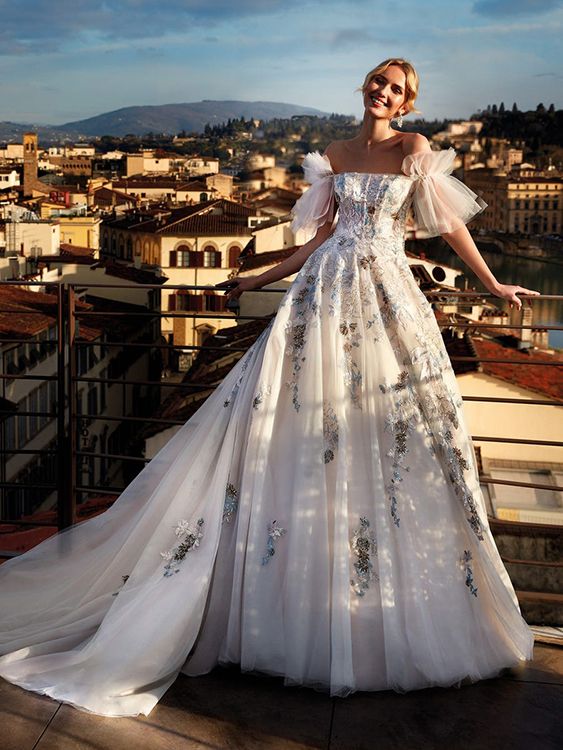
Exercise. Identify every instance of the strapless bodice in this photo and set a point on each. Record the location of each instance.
(372, 205)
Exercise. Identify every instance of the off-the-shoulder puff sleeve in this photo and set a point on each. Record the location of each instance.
(441, 202)
(315, 206)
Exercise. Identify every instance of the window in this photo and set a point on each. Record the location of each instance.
(211, 257)
(184, 258)
(234, 253)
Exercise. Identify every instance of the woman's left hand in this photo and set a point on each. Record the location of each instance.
(509, 291)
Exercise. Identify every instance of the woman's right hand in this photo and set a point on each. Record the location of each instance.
(237, 285)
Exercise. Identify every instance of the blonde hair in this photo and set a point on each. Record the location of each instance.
(411, 81)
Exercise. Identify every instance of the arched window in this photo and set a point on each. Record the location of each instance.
(211, 257)
(202, 197)
(234, 252)
(183, 256)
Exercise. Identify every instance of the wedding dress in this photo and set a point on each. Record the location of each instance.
(319, 518)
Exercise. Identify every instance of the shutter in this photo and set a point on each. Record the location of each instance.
(198, 258)
(217, 259)
(172, 303)
(173, 258)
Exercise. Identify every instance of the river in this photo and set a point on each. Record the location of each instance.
(542, 276)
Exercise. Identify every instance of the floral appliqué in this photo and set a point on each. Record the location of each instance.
(274, 533)
(465, 562)
(364, 546)
(264, 390)
(190, 540)
(400, 422)
(230, 505)
(296, 329)
(330, 431)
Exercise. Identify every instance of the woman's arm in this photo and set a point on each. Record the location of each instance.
(287, 267)
(462, 243)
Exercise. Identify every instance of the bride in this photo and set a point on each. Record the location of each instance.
(320, 517)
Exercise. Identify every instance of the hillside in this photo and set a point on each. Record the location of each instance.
(191, 117)
(165, 118)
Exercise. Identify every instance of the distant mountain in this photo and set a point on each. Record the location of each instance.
(172, 118)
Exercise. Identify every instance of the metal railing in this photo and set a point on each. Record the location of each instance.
(70, 316)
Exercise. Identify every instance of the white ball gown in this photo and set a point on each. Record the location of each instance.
(319, 518)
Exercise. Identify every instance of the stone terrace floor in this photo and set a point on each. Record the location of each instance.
(522, 709)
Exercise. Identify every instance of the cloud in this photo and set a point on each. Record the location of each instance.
(502, 8)
(54, 23)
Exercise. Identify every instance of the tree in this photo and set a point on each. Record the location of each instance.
(551, 109)
(494, 110)
(514, 108)
(501, 108)
(540, 108)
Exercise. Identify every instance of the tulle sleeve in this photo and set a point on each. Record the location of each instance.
(316, 205)
(441, 202)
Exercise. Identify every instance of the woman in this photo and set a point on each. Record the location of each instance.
(320, 517)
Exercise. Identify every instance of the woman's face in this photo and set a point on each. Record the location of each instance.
(385, 93)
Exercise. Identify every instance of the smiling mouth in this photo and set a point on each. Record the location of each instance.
(377, 102)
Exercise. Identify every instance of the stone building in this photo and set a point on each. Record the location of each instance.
(197, 245)
(521, 201)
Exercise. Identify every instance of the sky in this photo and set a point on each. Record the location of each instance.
(62, 61)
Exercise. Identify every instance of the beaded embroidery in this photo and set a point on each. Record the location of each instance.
(274, 532)
(465, 560)
(363, 545)
(231, 503)
(190, 540)
(330, 431)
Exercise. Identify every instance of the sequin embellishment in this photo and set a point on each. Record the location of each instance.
(330, 431)
(363, 545)
(400, 422)
(190, 540)
(274, 532)
(231, 503)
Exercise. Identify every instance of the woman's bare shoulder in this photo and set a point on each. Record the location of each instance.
(334, 151)
(412, 143)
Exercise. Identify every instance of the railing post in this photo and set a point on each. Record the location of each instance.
(66, 426)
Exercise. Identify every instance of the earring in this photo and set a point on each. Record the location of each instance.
(400, 120)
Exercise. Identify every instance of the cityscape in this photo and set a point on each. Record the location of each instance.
(115, 230)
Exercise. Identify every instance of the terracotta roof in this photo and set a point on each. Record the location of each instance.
(197, 185)
(158, 181)
(130, 273)
(27, 313)
(546, 380)
(38, 312)
(250, 262)
(68, 249)
(198, 219)
(106, 196)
